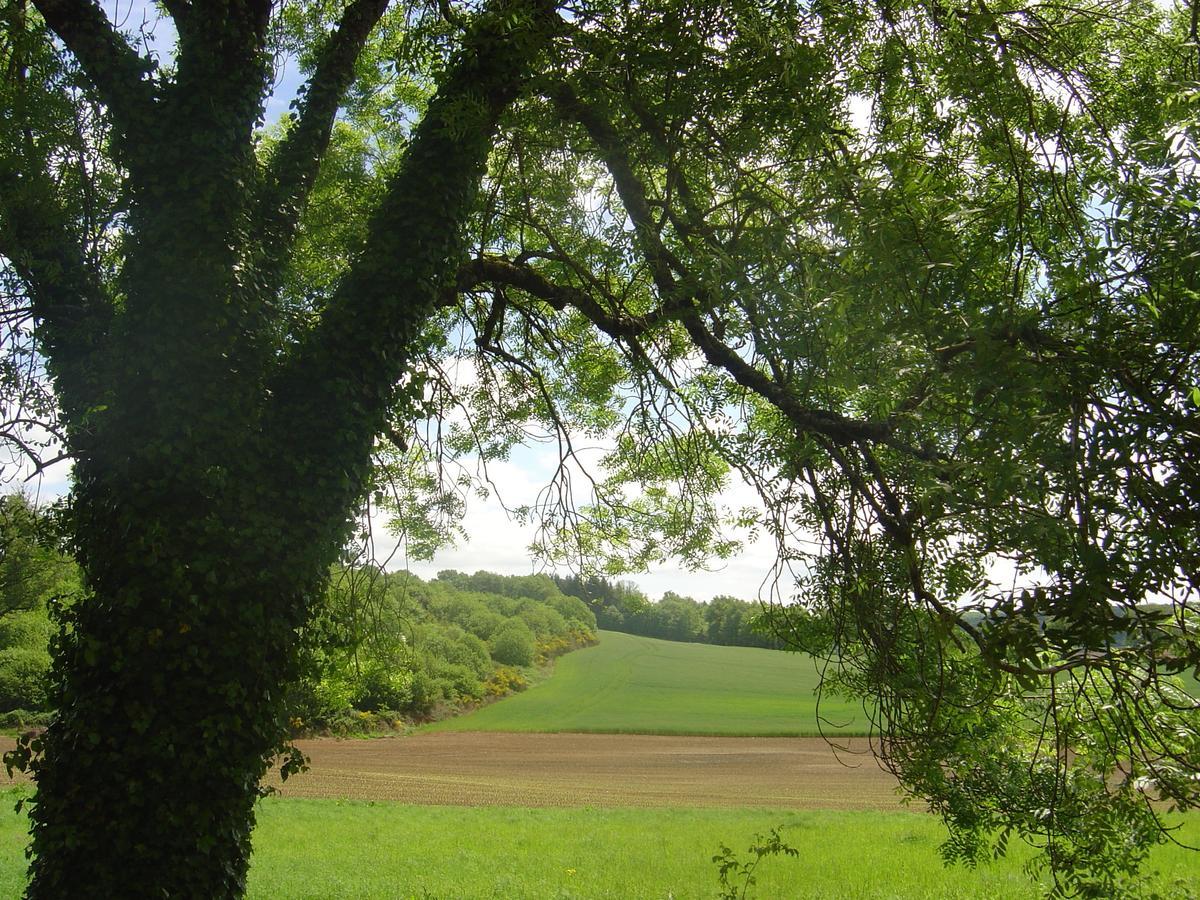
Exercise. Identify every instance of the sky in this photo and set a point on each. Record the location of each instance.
(497, 542)
(494, 541)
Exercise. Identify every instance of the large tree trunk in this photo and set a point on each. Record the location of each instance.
(216, 471)
(171, 672)
(149, 776)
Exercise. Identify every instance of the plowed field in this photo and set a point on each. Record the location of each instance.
(499, 769)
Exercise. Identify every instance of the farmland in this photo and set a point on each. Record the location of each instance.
(610, 770)
(640, 685)
(502, 811)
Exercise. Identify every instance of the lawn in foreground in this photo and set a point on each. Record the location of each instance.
(646, 686)
(309, 849)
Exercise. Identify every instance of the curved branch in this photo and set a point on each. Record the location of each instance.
(682, 302)
(114, 67)
(838, 428)
(663, 264)
(293, 167)
(67, 295)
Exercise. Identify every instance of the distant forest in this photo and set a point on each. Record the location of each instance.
(621, 606)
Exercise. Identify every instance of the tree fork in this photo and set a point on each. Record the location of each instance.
(202, 545)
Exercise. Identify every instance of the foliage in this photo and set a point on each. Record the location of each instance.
(33, 567)
(394, 645)
(24, 719)
(930, 289)
(513, 644)
(35, 577)
(923, 275)
(731, 870)
(24, 674)
(622, 607)
(505, 680)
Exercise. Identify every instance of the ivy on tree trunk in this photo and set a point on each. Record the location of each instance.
(216, 473)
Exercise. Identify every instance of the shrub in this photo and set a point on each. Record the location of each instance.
(332, 693)
(484, 623)
(505, 680)
(23, 678)
(425, 693)
(385, 688)
(543, 621)
(26, 628)
(25, 718)
(451, 644)
(513, 644)
(456, 682)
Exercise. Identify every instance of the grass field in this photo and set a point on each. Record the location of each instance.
(310, 849)
(587, 841)
(645, 686)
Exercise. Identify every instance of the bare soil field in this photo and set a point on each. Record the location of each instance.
(499, 769)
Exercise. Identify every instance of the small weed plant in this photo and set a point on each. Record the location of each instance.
(737, 877)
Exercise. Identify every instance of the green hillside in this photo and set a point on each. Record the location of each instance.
(647, 686)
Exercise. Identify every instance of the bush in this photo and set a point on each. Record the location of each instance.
(451, 644)
(425, 693)
(385, 688)
(484, 623)
(455, 682)
(332, 693)
(352, 723)
(505, 680)
(23, 678)
(513, 645)
(543, 621)
(26, 628)
(25, 718)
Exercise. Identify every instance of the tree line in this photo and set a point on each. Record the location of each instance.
(622, 606)
(388, 646)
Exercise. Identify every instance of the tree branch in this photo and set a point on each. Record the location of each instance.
(682, 302)
(836, 427)
(293, 168)
(495, 270)
(663, 264)
(338, 386)
(114, 68)
(67, 295)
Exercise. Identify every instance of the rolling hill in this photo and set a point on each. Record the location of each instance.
(630, 684)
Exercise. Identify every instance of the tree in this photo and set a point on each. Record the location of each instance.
(923, 274)
(32, 565)
(724, 616)
(678, 618)
(152, 247)
(930, 288)
(512, 645)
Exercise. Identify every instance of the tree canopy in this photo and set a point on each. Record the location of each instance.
(922, 272)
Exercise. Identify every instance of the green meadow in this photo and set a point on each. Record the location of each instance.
(307, 849)
(640, 685)
(327, 849)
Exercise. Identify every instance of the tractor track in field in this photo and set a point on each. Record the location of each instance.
(580, 770)
(525, 769)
